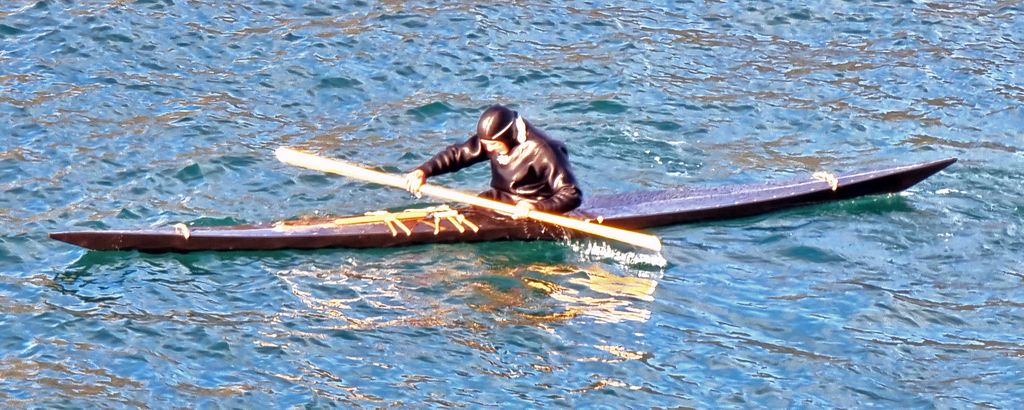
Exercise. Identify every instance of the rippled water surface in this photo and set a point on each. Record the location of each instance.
(150, 113)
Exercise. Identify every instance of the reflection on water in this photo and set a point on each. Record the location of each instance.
(537, 294)
(613, 296)
(468, 309)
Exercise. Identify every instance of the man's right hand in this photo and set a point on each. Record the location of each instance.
(414, 180)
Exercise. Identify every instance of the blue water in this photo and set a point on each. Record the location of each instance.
(152, 113)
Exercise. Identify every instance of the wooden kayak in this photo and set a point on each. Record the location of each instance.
(635, 210)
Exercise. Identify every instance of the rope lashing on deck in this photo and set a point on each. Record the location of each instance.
(394, 220)
(453, 217)
(390, 220)
(182, 230)
(827, 177)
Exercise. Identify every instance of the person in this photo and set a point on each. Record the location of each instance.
(528, 168)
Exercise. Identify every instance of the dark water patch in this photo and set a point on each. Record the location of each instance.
(316, 180)
(607, 107)
(600, 107)
(338, 82)
(189, 173)
(409, 71)
(315, 11)
(152, 66)
(812, 254)
(431, 110)
(120, 38)
(215, 221)
(804, 14)
(238, 163)
(98, 225)
(9, 31)
(662, 125)
(126, 213)
(531, 77)
(6, 255)
(871, 205)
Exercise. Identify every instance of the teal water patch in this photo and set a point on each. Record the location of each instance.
(885, 205)
(812, 254)
(128, 214)
(98, 225)
(9, 31)
(338, 82)
(214, 221)
(316, 179)
(663, 125)
(8, 258)
(432, 110)
(598, 107)
(238, 162)
(189, 173)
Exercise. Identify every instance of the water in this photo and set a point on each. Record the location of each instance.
(150, 113)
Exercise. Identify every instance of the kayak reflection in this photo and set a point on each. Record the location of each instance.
(536, 294)
(568, 291)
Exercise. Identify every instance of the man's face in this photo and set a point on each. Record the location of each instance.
(494, 147)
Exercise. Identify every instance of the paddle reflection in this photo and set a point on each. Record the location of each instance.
(569, 291)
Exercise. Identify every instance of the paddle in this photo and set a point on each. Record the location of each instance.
(310, 161)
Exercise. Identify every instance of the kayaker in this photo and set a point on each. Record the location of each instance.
(528, 168)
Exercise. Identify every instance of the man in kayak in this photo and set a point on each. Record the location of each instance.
(528, 168)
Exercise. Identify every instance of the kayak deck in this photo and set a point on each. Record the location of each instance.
(658, 208)
(635, 210)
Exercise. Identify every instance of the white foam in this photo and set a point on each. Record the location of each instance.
(595, 250)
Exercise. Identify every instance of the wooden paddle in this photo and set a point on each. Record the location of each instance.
(310, 161)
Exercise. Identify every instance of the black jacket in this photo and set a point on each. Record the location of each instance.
(537, 170)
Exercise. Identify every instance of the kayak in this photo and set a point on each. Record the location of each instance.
(632, 210)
